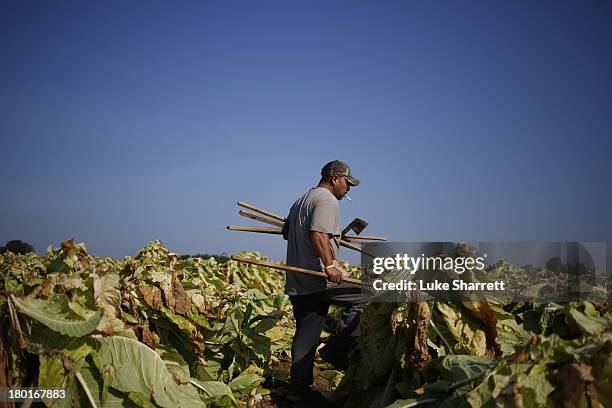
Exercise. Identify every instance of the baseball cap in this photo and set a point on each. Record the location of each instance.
(338, 168)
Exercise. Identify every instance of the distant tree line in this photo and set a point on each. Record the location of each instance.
(20, 247)
(17, 246)
(219, 258)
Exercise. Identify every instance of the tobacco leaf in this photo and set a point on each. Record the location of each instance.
(56, 315)
(137, 368)
(175, 297)
(152, 295)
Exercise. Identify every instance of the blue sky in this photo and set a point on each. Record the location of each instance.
(124, 122)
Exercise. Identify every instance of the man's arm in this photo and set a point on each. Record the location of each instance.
(320, 243)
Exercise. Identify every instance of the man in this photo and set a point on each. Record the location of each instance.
(313, 233)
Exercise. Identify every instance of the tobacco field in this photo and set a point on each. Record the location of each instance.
(160, 330)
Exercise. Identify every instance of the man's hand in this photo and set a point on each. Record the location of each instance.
(334, 274)
(320, 243)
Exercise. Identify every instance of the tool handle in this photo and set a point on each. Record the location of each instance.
(264, 230)
(276, 222)
(293, 269)
(356, 248)
(260, 218)
(365, 237)
(261, 211)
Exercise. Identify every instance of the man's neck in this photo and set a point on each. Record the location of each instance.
(326, 186)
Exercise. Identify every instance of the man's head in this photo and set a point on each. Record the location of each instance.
(336, 175)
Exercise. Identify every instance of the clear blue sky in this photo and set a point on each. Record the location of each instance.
(124, 122)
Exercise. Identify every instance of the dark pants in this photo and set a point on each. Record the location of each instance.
(310, 312)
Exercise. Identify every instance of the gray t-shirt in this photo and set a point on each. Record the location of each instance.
(317, 210)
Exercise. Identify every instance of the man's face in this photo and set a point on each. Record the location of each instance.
(340, 186)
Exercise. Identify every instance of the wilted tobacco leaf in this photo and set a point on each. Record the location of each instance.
(106, 289)
(152, 296)
(546, 372)
(113, 326)
(146, 336)
(175, 297)
(482, 310)
(466, 330)
(420, 355)
(203, 305)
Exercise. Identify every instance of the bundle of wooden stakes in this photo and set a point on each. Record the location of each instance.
(346, 240)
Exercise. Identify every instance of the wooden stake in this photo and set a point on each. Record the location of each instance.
(264, 230)
(259, 210)
(294, 269)
(278, 223)
(356, 248)
(365, 237)
(260, 218)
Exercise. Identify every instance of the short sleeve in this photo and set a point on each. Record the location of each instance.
(325, 216)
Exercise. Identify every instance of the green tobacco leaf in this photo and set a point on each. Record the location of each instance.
(589, 321)
(509, 332)
(51, 373)
(56, 315)
(40, 335)
(500, 389)
(93, 382)
(510, 335)
(247, 380)
(217, 392)
(175, 364)
(137, 368)
(78, 355)
(376, 333)
(211, 371)
(463, 367)
(141, 400)
(267, 322)
(487, 391)
(535, 387)
(446, 341)
(35, 281)
(181, 322)
(333, 376)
